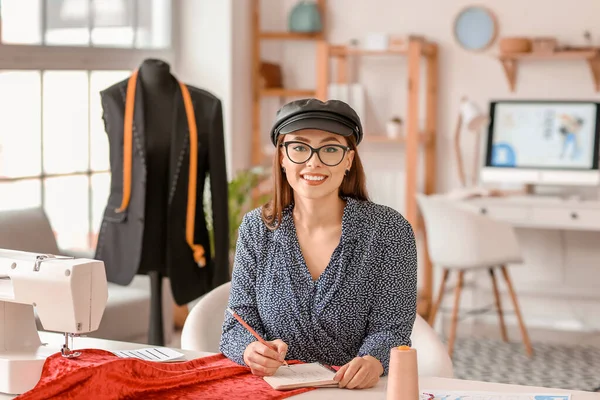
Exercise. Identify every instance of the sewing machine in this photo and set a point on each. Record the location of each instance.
(69, 296)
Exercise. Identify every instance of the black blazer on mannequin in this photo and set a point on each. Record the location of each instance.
(121, 233)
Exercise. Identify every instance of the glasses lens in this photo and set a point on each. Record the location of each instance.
(298, 152)
(331, 155)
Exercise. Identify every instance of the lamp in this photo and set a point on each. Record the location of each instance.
(473, 120)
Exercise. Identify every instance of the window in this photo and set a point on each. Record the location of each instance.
(54, 151)
(101, 23)
(55, 58)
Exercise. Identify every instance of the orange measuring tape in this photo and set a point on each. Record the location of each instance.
(197, 249)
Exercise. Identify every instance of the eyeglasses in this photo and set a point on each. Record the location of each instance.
(329, 154)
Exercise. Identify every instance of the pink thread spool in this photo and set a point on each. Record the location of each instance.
(403, 375)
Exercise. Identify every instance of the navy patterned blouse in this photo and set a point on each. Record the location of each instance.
(364, 302)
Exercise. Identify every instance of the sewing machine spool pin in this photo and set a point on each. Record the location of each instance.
(39, 259)
(42, 257)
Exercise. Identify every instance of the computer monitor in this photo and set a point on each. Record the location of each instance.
(542, 143)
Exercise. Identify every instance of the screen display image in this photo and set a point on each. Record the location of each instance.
(544, 135)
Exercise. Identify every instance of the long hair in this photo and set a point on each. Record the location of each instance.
(354, 185)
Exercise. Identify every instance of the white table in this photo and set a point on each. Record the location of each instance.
(426, 383)
(377, 392)
(540, 212)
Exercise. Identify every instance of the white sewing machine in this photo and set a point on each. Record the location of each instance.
(69, 296)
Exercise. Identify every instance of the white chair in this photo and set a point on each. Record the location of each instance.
(202, 332)
(460, 240)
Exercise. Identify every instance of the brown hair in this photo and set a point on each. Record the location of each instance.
(354, 185)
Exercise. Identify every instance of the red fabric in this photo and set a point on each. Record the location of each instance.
(99, 374)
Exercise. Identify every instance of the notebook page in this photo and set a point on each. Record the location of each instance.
(299, 375)
(158, 354)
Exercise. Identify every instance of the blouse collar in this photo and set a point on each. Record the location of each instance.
(350, 218)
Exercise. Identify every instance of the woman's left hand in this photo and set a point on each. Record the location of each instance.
(360, 373)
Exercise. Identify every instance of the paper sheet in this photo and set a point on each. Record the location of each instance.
(476, 395)
(299, 375)
(158, 354)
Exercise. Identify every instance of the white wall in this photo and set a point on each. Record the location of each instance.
(214, 53)
(558, 285)
(241, 86)
(205, 52)
(477, 75)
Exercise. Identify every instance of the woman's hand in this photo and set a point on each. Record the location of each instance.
(263, 360)
(360, 373)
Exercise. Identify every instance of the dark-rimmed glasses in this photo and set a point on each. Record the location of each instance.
(329, 154)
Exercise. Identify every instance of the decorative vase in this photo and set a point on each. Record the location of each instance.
(305, 17)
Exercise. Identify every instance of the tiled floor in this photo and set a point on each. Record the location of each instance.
(540, 335)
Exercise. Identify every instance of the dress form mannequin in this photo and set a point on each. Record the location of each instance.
(166, 144)
(159, 90)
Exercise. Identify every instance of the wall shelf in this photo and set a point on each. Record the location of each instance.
(414, 139)
(337, 51)
(427, 49)
(290, 36)
(259, 93)
(424, 138)
(282, 92)
(511, 61)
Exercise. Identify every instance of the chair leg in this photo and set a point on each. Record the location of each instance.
(498, 305)
(517, 312)
(457, 292)
(438, 302)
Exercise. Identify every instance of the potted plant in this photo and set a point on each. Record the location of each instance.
(240, 201)
(394, 127)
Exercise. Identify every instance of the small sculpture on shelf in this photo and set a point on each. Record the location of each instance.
(588, 39)
(270, 75)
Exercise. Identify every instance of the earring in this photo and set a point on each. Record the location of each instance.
(283, 169)
(346, 173)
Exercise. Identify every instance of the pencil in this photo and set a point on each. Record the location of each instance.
(253, 332)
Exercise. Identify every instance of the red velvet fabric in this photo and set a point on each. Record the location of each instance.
(99, 374)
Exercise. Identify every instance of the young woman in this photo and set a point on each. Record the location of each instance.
(320, 272)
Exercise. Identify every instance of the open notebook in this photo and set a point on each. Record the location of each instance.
(302, 375)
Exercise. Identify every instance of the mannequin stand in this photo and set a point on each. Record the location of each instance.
(159, 89)
(156, 335)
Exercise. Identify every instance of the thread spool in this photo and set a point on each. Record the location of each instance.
(403, 376)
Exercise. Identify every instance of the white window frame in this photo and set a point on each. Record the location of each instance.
(67, 58)
(27, 57)
(83, 58)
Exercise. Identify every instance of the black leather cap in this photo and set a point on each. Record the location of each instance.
(333, 116)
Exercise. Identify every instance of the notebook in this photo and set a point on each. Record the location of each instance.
(302, 375)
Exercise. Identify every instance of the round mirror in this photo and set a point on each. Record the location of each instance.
(475, 28)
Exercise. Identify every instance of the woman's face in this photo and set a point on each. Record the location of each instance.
(315, 177)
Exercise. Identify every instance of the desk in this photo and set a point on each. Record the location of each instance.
(524, 211)
(540, 212)
(377, 392)
(425, 383)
